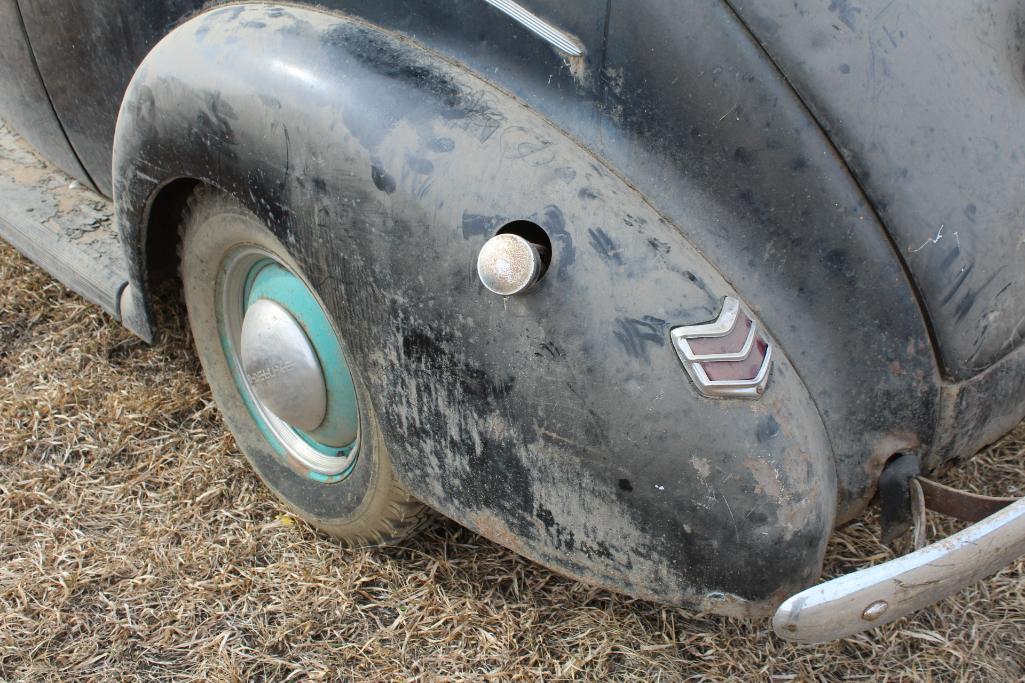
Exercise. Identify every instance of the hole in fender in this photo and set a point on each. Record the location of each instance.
(533, 233)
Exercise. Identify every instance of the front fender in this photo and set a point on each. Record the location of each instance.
(559, 423)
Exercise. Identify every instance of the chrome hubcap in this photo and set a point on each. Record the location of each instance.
(288, 364)
(282, 367)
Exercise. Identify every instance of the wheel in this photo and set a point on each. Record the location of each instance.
(277, 369)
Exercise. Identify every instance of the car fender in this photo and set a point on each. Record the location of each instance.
(559, 423)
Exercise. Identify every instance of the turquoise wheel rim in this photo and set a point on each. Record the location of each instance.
(327, 453)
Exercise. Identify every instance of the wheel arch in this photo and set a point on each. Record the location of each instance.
(153, 255)
(162, 219)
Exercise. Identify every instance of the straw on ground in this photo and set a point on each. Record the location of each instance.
(136, 544)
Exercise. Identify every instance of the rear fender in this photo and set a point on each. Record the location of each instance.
(559, 423)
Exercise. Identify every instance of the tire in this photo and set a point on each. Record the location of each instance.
(364, 505)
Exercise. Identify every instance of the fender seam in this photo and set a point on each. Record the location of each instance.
(49, 100)
(813, 114)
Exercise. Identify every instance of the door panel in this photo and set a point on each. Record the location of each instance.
(926, 102)
(23, 101)
(88, 51)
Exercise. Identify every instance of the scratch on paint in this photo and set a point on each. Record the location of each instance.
(732, 518)
(934, 240)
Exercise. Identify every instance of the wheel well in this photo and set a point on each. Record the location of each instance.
(161, 237)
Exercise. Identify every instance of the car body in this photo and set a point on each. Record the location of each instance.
(845, 181)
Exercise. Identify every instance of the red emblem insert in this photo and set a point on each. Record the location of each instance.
(727, 357)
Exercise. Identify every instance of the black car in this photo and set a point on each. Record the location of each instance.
(654, 293)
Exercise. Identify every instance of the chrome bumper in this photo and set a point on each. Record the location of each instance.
(878, 595)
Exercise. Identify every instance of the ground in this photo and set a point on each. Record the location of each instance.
(135, 543)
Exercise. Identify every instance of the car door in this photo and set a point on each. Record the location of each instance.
(88, 50)
(23, 100)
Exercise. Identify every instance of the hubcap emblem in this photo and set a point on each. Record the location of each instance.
(281, 366)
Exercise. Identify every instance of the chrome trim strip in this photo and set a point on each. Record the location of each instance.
(682, 344)
(736, 388)
(878, 595)
(538, 26)
(720, 327)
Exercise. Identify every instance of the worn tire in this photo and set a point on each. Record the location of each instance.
(369, 506)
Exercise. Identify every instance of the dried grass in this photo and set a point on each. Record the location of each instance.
(136, 544)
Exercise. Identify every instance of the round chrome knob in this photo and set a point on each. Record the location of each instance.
(281, 366)
(509, 264)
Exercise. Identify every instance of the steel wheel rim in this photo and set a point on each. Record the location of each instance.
(322, 462)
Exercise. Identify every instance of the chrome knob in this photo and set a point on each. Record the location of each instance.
(509, 264)
(281, 366)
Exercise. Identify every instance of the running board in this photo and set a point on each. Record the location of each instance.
(65, 228)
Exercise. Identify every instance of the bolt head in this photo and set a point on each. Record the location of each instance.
(876, 610)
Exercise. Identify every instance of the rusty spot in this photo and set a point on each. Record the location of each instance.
(494, 528)
(886, 446)
(767, 479)
(578, 69)
(701, 466)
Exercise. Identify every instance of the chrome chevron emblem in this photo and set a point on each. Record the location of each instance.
(726, 358)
